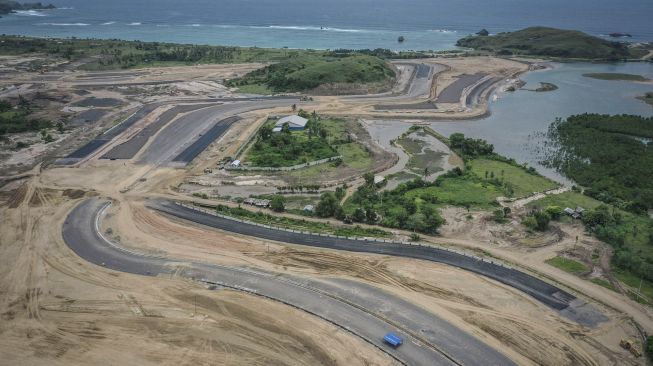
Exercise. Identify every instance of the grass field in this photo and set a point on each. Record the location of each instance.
(567, 265)
(633, 283)
(615, 76)
(523, 182)
(460, 192)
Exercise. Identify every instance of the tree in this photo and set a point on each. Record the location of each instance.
(5, 106)
(542, 219)
(371, 216)
(265, 132)
(60, 127)
(277, 203)
(341, 191)
(328, 205)
(529, 222)
(294, 107)
(369, 179)
(359, 215)
(285, 128)
(456, 139)
(555, 212)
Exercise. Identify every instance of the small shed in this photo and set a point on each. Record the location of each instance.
(571, 212)
(309, 208)
(235, 163)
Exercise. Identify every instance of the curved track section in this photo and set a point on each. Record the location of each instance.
(565, 303)
(363, 310)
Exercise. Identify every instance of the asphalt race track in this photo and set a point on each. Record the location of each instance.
(203, 142)
(563, 302)
(361, 309)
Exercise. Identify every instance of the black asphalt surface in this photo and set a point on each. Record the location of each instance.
(130, 148)
(474, 96)
(363, 310)
(542, 291)
(453, 92)
(111, 133)
(205, 140)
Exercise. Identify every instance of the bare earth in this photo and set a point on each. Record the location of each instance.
(58, 309)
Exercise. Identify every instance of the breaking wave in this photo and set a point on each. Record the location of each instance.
(66, 24)
(30, 13)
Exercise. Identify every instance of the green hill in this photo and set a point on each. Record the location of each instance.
(550, 42)
(309, 72)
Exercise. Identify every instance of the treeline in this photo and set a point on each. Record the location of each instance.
(308, 72)
(610, 155)
(125, 54)
(379, 52)
(15, 120)
(385, 208)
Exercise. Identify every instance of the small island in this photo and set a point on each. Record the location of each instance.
(546, 87)
(648, 98)
(8, 7)
(620, 35)
(550, 42)
(616, 76)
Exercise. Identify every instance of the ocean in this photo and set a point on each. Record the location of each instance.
(325, 24)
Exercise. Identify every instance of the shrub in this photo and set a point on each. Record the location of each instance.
(277, 203)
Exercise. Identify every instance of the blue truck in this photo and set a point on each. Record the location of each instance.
(393, 340)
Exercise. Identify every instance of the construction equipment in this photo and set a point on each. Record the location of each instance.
(629, 344)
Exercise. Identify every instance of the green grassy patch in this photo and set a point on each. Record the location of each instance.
(523, 183)
(308, 72)
(567, 265)
(633, 282)
(460, 191)
(355, 155)
(566, 199)
(615, 76)
(303, 225)
(20, 120)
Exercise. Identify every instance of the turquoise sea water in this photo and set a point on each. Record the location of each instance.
(320, 24)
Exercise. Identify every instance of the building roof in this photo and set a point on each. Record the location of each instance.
(293, 121)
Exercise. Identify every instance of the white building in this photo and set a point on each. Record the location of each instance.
(295, 122)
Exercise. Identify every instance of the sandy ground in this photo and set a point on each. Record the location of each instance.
(71, 312)
(58, 309)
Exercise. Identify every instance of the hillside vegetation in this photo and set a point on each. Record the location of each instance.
(551, 42)
(308, 72)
